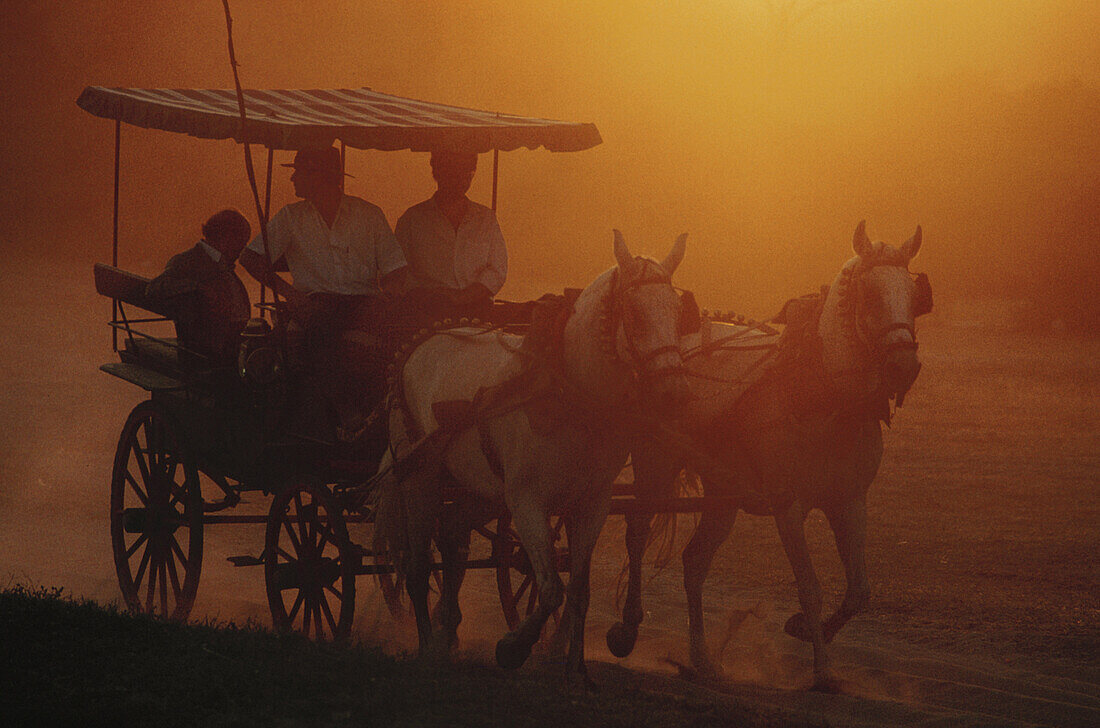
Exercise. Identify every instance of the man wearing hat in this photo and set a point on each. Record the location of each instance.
(456, 254)
(344, 259)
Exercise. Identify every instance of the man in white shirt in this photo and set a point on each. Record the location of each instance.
(344, 261)
(331, 242)
(454, 247)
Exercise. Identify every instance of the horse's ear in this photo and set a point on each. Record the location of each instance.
(861, 243)
(672, 260)
(622, 253)
(910, 247)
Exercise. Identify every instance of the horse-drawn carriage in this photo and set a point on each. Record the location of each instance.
(207, 435)
(203, 430)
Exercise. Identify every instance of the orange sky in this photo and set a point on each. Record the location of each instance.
(766, 141)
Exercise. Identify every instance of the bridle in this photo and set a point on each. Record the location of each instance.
(853, 303)
(639, 360)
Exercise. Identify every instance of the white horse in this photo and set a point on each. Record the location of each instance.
(619, 351)
(784, 425)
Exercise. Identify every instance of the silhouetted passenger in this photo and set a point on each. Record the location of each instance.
(203, 294)
(456, 254)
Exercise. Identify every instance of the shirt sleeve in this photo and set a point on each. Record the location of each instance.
(388, 255)
(493, 275)
(278, 236)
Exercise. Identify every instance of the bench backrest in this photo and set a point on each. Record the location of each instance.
(126, 287)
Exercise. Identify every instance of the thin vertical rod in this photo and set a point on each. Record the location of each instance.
(114, 232)
(496, 163)
(343, 159)
(266, 216)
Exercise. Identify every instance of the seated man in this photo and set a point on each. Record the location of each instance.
(203, 294)
(456, 254)
(344, 261)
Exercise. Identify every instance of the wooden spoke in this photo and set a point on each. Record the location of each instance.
(136, 488)
(136, 545)
(297, 605)
(328, 614)
(294, 540)
(175, 577)
(144, 564)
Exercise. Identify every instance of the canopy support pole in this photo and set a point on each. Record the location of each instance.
(114, 233)
(496, 163)
(266, 218)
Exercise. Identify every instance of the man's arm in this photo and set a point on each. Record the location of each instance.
(493, 275)
(258, 267)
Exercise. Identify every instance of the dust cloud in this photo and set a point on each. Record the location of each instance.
(766, 130)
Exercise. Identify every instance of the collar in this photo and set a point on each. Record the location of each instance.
(215, 255)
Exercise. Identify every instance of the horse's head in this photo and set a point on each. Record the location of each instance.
(883, 299)
(646, 313)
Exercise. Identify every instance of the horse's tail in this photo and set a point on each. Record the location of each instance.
(662, 533)
(391, 534)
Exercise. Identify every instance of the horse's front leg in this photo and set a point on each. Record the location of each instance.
(533, 528)
(789, 521)
(622, 635)
(849, 524)
(713, 529)
(655, 474)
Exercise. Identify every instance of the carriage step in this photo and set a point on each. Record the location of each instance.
(246, 560)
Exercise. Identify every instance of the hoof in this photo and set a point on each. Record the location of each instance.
(511, 653)
(704, 668)
(621, 639)
(798, 627)
(826, 684)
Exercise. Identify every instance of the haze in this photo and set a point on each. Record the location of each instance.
(766, 130)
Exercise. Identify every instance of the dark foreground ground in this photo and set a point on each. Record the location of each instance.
(75, 663)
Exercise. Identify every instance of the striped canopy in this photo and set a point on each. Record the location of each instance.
(360, 118)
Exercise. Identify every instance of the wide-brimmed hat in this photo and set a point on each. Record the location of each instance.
(320, 160)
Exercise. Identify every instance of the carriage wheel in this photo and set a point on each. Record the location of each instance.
(156, 516)
(519, 593)
(310, 564)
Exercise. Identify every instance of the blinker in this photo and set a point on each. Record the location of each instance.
(922, 300)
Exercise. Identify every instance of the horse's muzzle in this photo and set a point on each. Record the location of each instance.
(900, 370)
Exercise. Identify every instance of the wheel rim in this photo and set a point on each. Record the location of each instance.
(156, 516)
(519, 593)
(309, 565)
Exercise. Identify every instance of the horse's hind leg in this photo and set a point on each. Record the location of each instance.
(416, 583)
(454, 549)
(849, 523)
(713, 529)
(584, 530)
(532, 526)
(791, 532)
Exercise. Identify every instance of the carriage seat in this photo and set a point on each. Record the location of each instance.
(160, 353)
(127, 287)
